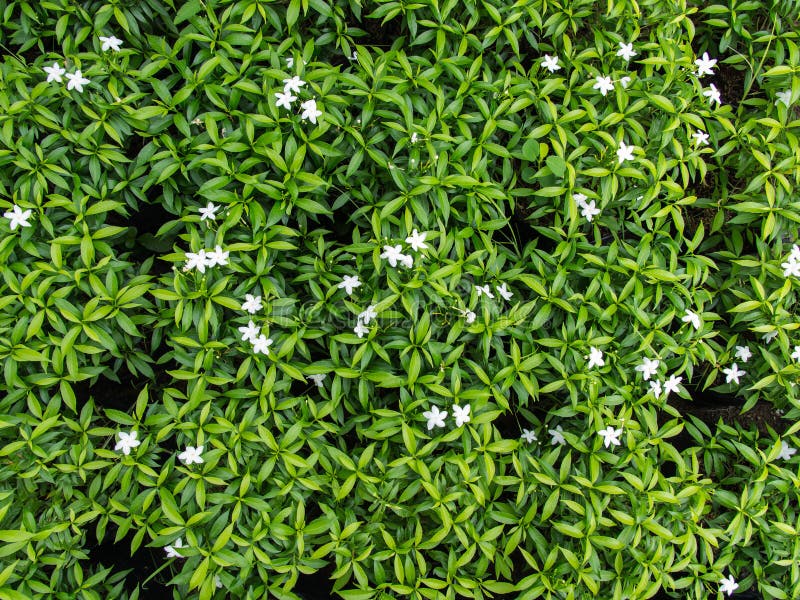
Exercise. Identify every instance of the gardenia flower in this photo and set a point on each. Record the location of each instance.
(792, 266)
(655, 388)
(728, 585)
(529, 435)
(76, 81)
(589, 211)
(648, 368)
(172, 551)
(784, 97)
(261, 345)
(217, 257)
(743, 353)
(624, 152)
(252, 304)
(317, 379)
(18, 217)
(110, 43)
(285, 99)
(367, 314)
(310, 111)
(360, 329)
(671, 384)
(416, 240)
(504, 292)
(54, 73)
(461, 414)
(625, 82)
(626, 51)
(484, 289)
(209, 212)
(558, 437)
(250, 332)
(293, 85)
(713, 95)
(551, 63)
(700, 138)
(610, 436)
(127, 441)
(435, 417)
(349, 283)
(406, 260)
(595, 358)
(786, 451)
(393, 254)
(692, 318)
(705, 65)
(604, 84)
(470, 317)
(796, 354)
(769, 336)
(733, 374)
(196, 260)
(191, 455)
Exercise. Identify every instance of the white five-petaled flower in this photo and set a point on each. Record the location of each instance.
(209, 212)
(111, 43)
(580, 199)
(786, 451)
(252, 304)
(172, 550)
(435, 417)
(249, 332)
(625, 82)
(784, 98)
(796, 354)
(624, 152)
(317, 379)
(191, 455)
(743, 353)
(529, 435)
(261, 345)
(791, 268)
(713, 95)
(604, 84)
(367, 314)
(504, 292)
(484, 289)
(733, 374)
(293, 85)
(393, 254)
(196, 260)
(700, 138)
(671, 384)
(76, 81)
(406, 260)
(595, 358)
(626, 51)
(461, 414)
(349, 283)
(693, 318)
(127, 441)
(416, 240)
(360, 329)
(648, 368)
(590, 211)
(18, 217)
(470, 317)
(769, 336)
(54, 73)
(557, 436)
(285, 99)
(310, 111)
(728, 585)
(655, 388)
(610, 436)
(217, 257)
(551, 63)
(705, 65)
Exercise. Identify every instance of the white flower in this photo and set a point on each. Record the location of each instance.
(713, 95)
(217, 582)
(784, 97)
(795, 253)
(743, 353)
(250, 332)
(18, 217)
(580, 199)
(692, 318)
(470, 317)
(604, 84)
(209, 212)
(705, 64)
(360, 329)
(407, 260)
(595, 358)
(796, 354)
(558, 437)
(733, 374)
(648, 368)
(392, 254)
(127, 441)
(786, 451)
(624, 152)
(54, 73)
(367, 314)
(217, 257)
(529, 435)
(769, 336)
(504, 292)
(671, 384)
(285, 99)
(655, 388)
(310, 111)
(76, 81)
(589, 211)
(317, 379)
(435, 417)
(461, 414)
(349, 283)
(191, 455)
(610, 436)
(110, 43)
(626, 51)
(413, 141)
(172, 551)
(196, 260)
(791, 268)
(551, 63)
(728, 585)
(290, 61)
(416, 240)
(293, 85)
(252, 304)
(625, 82)
(261, 345)
(484, 289)
(700, 138)
(197, 121)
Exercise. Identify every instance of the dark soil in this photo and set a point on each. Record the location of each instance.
(730, 82)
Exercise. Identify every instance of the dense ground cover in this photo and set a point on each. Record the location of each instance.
(459, 299)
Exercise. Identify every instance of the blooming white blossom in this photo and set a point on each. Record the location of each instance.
(504, 292)
(705, 65)
(693, 318)
(191, 455)
(461, 414)
(18, 217)
(470, 317)
(349, 283)
(604, 84)
(249, 332)
(700, 138)
(285, 99)
(172, 550)
(595, 358)
(529, 435)
(317, 379)
(786, 451)
(196, 260)
(416, 240)
(54, 73)
(580, 199)
(785, 98)
(610, 436)
(624, 152)
(393, 254)
(796, 354)
(252, 304)
(626, 51)
(733, 373)
(728, 585)
(743, 353)
(713, 95)
(310, 111)
(127, 442)
(76, 81)
(557, 436)
(360, 329)
(290, 61)
(261, 345)
(217, 257)
(648, 368)
(590, 211)
(435, 417)
(293, 85)
(111, 43)
(625, 82)
(367, 314)
(484, 289)
(551, 63)
(218, 582)
(209, 212)
(769, 336)
(406, 260)
(791, 268)
(655, 388)
(413, 141)
(671, 384)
